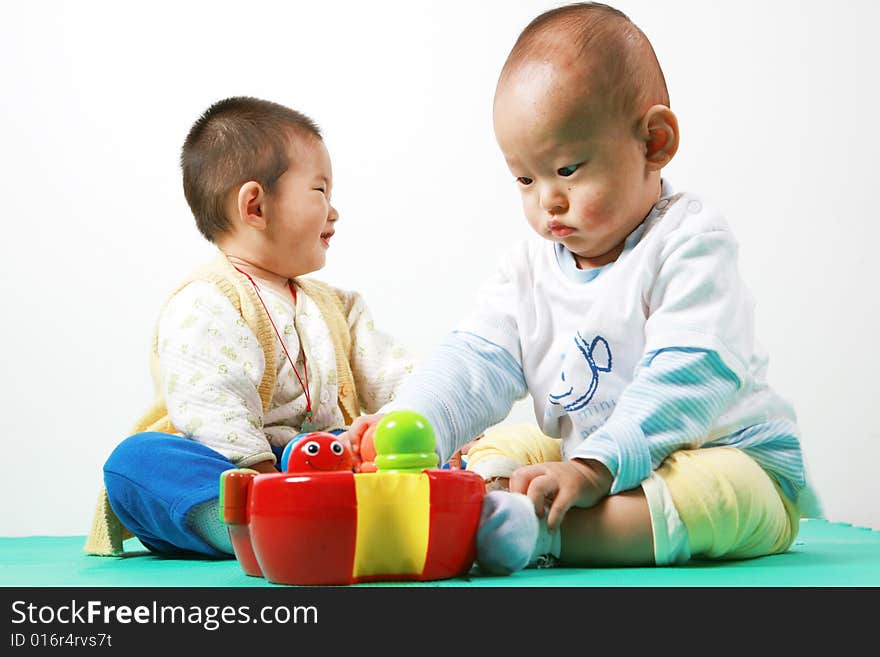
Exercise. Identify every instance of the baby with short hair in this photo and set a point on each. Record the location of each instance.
(626, 320)
(249, 354)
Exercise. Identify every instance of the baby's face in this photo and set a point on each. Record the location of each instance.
(581, 171)
(301, 218)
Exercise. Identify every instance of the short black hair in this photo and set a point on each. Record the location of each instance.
(236, 140)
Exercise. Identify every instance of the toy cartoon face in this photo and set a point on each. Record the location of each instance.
(319, 451)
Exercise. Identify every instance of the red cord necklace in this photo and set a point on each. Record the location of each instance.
(309, 423)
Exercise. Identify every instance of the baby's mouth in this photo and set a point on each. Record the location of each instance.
(558, 229)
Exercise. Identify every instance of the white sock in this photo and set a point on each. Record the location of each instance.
(511, 537)
(205, 521)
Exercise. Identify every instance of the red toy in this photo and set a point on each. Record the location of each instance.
(320, 451)
(407, 521)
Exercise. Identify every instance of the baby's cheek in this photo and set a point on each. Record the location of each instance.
(589, 204)
(534, 216)
(594, 214)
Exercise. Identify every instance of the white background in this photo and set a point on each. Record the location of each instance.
(778, 109)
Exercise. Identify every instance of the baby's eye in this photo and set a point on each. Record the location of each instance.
(565, 172)
(524, 181)
(321, 189)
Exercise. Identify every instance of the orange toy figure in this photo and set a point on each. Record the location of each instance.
(321, 451)
(368, 451)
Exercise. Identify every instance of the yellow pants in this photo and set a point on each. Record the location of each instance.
(731, 507)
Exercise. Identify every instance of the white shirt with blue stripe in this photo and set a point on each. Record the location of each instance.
(627, 363)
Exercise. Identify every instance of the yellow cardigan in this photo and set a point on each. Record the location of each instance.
(107, 532)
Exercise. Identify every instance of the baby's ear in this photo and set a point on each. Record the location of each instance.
(249, 205)
(659, 131)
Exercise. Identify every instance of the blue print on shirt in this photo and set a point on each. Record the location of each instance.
(598, 359)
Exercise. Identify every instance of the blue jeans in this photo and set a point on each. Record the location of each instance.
(154, 480)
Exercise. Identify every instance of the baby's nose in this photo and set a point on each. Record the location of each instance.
(554, 201)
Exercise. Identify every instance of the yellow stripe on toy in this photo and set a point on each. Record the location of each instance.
(393, 522)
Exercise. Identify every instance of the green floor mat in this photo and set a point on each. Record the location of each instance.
(825, 554)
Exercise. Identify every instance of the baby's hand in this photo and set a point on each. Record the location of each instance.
(264, 467)
(579, 482)
(356, 431)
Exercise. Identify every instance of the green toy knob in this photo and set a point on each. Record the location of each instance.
(404, 442)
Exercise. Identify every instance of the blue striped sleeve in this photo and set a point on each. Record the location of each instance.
(671, 404)
(466, 385)
(469, 383)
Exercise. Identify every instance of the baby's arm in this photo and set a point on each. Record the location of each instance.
(670, 405)
(211, 367)
(466, 385)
